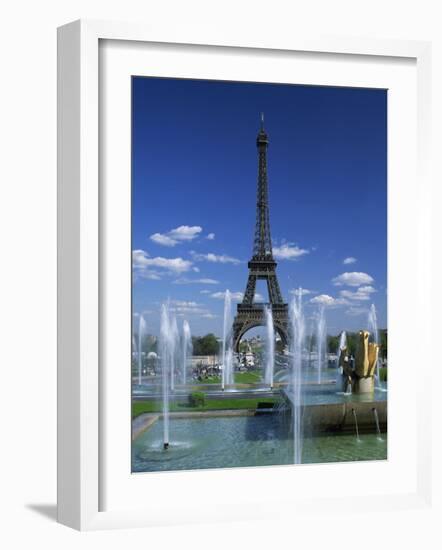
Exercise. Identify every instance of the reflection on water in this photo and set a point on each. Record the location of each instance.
(244, 441)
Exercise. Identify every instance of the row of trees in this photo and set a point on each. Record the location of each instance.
(352, 342)
(209, 344)
(202, 345)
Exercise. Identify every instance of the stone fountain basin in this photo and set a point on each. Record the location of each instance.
(318, 418)
(331, 417)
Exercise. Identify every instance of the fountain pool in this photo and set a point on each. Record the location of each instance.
(244, 441)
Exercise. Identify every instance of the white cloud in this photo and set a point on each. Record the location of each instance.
(188, 307)
(153, 268)
(210, 236)
(214, 258)
(177, 265)
(300, 291)
(184, 303)
(209, 316)
(185, 232)
(329, 301)
(141, 259)
(148, 274)
(289, 251)
(186, 281)
(186, 310)
(325, 300)
(360, 294)
(236, 296)
(205, 291)
(177, 235)
(354, 278)
(349, 260)
(163, 239)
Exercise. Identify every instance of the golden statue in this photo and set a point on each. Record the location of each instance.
(365, 363)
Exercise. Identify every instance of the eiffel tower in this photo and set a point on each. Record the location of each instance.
(262, 265)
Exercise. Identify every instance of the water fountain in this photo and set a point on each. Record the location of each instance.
(135, 349)
(227, 351)
(311, 339)
(141, 332)
(187, 349)
(180, 441)
(297, 343)
(167, 365)
(344, 365)
(376, 419)
(321, 342)
(342, 344)
(270, 348)
(356, 425)
(373, 328)
(174, 351)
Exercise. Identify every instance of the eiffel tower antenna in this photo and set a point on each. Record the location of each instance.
(262, 266)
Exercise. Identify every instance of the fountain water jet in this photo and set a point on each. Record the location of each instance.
(227, 351)
(187, 349)
(297, 343)
(141, 332)
(270, 359)
(344, 365)
(373, 328)
(174, 350)
(321, 341)
(376, 419)
(342, 344)
(356, 425)
(134, 347)
(167, 351)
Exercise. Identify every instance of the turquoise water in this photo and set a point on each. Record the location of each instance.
(244, 441)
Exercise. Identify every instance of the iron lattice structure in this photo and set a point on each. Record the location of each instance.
(262, 265)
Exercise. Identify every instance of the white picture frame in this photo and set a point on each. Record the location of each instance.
(79, 266)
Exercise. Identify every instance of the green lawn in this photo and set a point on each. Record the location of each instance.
(139, 407)
(248, 378)
(210, 380)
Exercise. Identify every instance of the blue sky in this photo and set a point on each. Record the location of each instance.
(194, 174)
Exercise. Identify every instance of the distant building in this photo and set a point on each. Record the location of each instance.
(201, 360)
(248, 359)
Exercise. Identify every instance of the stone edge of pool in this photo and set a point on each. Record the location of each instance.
(146, 420)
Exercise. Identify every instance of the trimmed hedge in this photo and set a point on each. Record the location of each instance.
(197, 399)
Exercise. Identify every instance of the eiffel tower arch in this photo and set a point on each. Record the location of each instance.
(262, 265)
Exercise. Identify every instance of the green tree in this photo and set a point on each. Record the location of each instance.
(332, 344)
(205, 345)
(383, 341)
(243, 347)
(352, 341)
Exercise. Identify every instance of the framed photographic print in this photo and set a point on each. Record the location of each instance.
(234, 245)
(268, 372)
